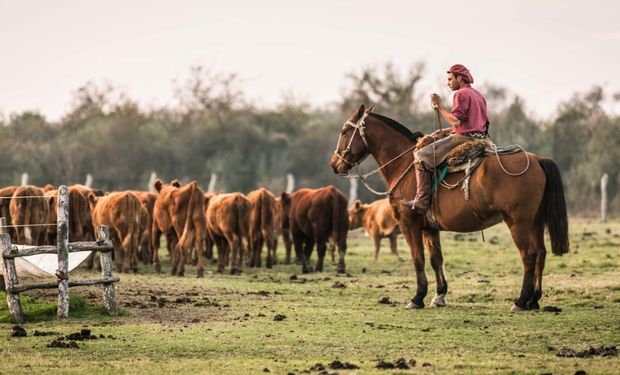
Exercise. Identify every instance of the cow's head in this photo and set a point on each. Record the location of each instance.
(356, 214)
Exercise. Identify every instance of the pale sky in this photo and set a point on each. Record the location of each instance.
(542, 50)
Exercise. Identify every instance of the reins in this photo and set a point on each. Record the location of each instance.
(362, 177)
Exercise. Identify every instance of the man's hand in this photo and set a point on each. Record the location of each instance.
(435, 101)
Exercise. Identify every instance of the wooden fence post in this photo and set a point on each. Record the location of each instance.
(63, 253)
(212, 182)
(109, 295)
(352, 191)
(10, 276)
(604, 180)
(290, 183)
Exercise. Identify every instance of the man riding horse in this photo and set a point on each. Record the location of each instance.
(469, 120)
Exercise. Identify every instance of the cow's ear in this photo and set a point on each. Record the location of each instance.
(157, 185)
(175, 183)
(357, 204)
(92, 199)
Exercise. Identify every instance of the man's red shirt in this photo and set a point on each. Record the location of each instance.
(470, 108)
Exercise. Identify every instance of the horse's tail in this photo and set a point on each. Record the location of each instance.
(552, 209)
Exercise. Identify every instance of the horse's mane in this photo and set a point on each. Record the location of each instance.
(399, 127)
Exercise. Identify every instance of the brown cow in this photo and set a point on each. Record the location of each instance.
(227, 224)
(51, 233)
(29, 210)
(315, 216)
(5, 198)
(179, 214)
(378, 221)
(263, 227)
(120, 211)
(146, 247)
(282, 229)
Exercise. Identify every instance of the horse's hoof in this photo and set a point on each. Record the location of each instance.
(438, 301)
(516, 308)
(200, 273)
(412, 306)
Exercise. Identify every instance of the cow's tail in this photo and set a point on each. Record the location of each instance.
(186, 240)
(131, 208)
(552, 209)
(243, 212)
(266, 216)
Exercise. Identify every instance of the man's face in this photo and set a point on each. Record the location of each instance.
(454, 83)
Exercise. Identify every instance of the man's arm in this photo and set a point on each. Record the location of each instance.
(447, 115)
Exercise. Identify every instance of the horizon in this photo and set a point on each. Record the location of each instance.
(544, 53)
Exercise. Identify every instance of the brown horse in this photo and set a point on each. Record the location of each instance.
(527, 203)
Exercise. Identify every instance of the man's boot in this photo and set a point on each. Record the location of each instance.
(422, 199)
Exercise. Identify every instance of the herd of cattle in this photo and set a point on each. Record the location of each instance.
(193, 222)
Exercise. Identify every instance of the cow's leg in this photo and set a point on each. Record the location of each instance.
(331, 248)
(221, 253)
(172, 245)
(433, 245)
(342, 251)
(155, 243)
(413, 235)
(393, 242)
(233, 245)
(321, 248)
(306, 252)
(377, 240)
(271, 251)
(199, 245)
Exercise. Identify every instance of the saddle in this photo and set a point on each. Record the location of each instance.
(473, 150)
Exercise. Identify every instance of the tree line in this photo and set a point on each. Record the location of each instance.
(214, 128)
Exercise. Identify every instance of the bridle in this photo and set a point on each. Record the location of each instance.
(360, 125)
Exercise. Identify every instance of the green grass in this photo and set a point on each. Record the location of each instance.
(228, 327)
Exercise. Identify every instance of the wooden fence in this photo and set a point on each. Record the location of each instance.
(103, 245)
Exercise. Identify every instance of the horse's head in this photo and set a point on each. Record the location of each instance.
(352, 147)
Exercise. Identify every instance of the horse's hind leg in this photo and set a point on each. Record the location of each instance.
(538, 241)
(521, 235)
(433, 246)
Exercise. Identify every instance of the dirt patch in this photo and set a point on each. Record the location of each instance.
(337, 365)
(339, 285)
(552, 309)
(69, 341)
(279, 317)
(401, 364)
(18, 331)
(385, 300)
(603, 351)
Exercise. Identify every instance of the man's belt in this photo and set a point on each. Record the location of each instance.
(477, 135)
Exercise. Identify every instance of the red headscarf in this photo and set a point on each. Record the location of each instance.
(462, 71)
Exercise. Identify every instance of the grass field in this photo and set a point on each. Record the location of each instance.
(225, 324)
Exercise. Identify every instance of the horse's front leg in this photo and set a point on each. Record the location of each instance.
(433, 246)
(411, 229)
